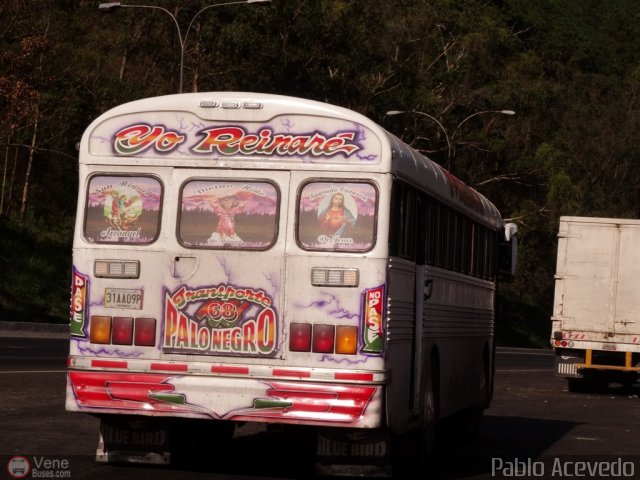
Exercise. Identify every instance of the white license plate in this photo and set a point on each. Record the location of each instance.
(123, 298)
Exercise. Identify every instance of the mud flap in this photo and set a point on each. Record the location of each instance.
(567, 365)
(353, 453)
(133, 440)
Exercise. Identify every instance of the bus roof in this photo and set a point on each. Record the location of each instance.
(243, 130)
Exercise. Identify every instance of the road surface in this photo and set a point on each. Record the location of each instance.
(533, 418)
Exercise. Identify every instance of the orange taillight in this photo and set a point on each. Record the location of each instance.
(346, 339)
(100, 330)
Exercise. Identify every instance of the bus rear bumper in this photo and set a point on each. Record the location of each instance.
(226, 398)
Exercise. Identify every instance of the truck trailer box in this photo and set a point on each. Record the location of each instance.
(596, 312)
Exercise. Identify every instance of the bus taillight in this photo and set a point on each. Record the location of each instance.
(100, 329)
(346, 339)
(304, 337)
(122, 331)
(145, 332)
(323, 338)
(300, 338)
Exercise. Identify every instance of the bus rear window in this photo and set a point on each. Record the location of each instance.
(122, 209)
(337, 216)
(228, 214)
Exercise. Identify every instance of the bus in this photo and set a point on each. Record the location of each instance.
(248, 258)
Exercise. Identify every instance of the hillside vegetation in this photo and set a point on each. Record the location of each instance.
(570, 70)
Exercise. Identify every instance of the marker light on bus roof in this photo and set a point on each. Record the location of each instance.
(335, 277)
(116, 268)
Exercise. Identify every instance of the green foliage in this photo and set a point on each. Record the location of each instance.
(521, 322)
(35, 261)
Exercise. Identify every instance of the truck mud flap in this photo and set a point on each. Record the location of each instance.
(139, 440)
(353, 453)
(567, 365)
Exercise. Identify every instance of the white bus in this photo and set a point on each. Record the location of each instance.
(244, 257)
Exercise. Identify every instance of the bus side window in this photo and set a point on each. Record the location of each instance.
(473, 249)
(421, 229)
(429, 219)
(438, 234)
(448, 237)
(410, 227)
(395, 222)
(405, 222)
(465, 242)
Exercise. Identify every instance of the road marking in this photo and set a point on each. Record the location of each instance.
(34, 371)
(528, 352)
(525, 370)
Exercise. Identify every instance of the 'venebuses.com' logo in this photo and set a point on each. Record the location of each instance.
(18, 467)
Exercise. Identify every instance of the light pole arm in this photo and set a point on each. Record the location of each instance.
(155, 7)
(503, 112)
(193, 19)
(109, 6)
(434, 119)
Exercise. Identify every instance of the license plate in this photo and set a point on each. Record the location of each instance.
(123, 298)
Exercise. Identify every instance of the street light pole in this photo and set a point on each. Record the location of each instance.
(502, 112)
(109, 6)
(448, 137)
(417, 112)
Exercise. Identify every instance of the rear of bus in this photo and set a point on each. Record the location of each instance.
(229, 265)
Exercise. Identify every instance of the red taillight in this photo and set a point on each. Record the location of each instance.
(300, 337)
(145, 332)
(323, 338)
(122, 333)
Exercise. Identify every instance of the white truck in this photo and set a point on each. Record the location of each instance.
(596, 312)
